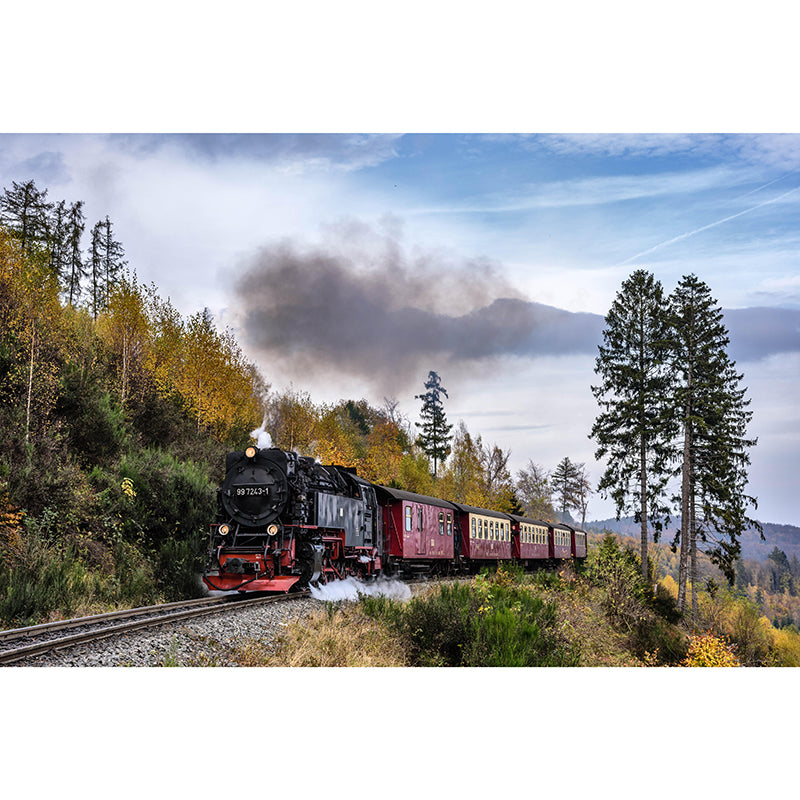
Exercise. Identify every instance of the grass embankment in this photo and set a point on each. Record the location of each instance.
(601, 617)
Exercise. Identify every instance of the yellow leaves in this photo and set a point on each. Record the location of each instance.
(32, 330)
(786, 644)
(707, 650)
(127, 488)
(669, 585)
(125, 328)
(189, 358)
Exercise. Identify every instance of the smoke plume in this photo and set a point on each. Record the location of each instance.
(369, 310)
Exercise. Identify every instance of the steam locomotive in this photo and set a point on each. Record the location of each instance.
(285, 521)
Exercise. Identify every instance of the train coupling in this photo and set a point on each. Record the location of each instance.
(241, 566)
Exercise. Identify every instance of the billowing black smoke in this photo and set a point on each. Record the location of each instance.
(390, 318)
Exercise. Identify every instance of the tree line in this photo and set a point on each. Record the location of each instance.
(53, 232)
(673, 422)
(440, 460)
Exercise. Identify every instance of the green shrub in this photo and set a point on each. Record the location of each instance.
(156, 498)
(617, 571)
(43, 580)
(437, 627)
(494, 622)
(177, 565)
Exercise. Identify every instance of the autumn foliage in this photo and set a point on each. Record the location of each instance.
(707, 650)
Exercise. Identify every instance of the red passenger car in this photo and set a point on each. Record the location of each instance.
(485, 535)
(530, 539)
(416, 528)
(578, 543)
(560, 541)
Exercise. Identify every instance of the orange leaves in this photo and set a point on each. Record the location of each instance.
(10, 527)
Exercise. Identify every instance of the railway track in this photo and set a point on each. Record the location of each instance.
(20, 643)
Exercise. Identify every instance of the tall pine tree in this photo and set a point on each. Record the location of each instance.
(565, 485)
(76, 267)
(635, 429)
(105, 264)
(712, 409)
(435, 437)
(113, 261)
(94, 268)
(24, 210)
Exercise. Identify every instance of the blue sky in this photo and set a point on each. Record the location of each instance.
(453, 227)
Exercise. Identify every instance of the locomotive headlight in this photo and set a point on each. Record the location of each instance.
(272, 530)
(250, 452)
(224, 530)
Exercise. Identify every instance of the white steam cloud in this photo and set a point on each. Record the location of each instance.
(263, 439)
(352, 589)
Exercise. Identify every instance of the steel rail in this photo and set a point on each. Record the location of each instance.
(211, 606)
(74, 622)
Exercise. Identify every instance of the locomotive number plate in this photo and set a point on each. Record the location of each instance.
(250, 491)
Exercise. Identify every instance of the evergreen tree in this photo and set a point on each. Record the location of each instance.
(105, 264)
(113, 261)
(635, 429)
(24, 210)
(564, 482)
(435, 437)
(94, 268)
(76, 267)
(58, 242)
(713, 413)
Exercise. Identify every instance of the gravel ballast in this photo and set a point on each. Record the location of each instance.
(206, 641)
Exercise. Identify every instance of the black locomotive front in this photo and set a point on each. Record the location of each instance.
(284, 521)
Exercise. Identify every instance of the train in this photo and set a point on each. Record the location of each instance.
(285, 521)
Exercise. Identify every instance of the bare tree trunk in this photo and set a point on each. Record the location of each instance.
(693, 544)
(685, 492)
(685, 518)
(643, 479)
(30, 383)
(125, 358)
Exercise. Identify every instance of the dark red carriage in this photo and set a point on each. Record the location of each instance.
(485, 535)
(578, 544)
(530, 539)
(418, 530)
(560, 541)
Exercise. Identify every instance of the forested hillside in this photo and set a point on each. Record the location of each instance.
(114, 420)
(784, 537)
(771, 584)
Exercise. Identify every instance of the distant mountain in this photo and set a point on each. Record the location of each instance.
(784, 537)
